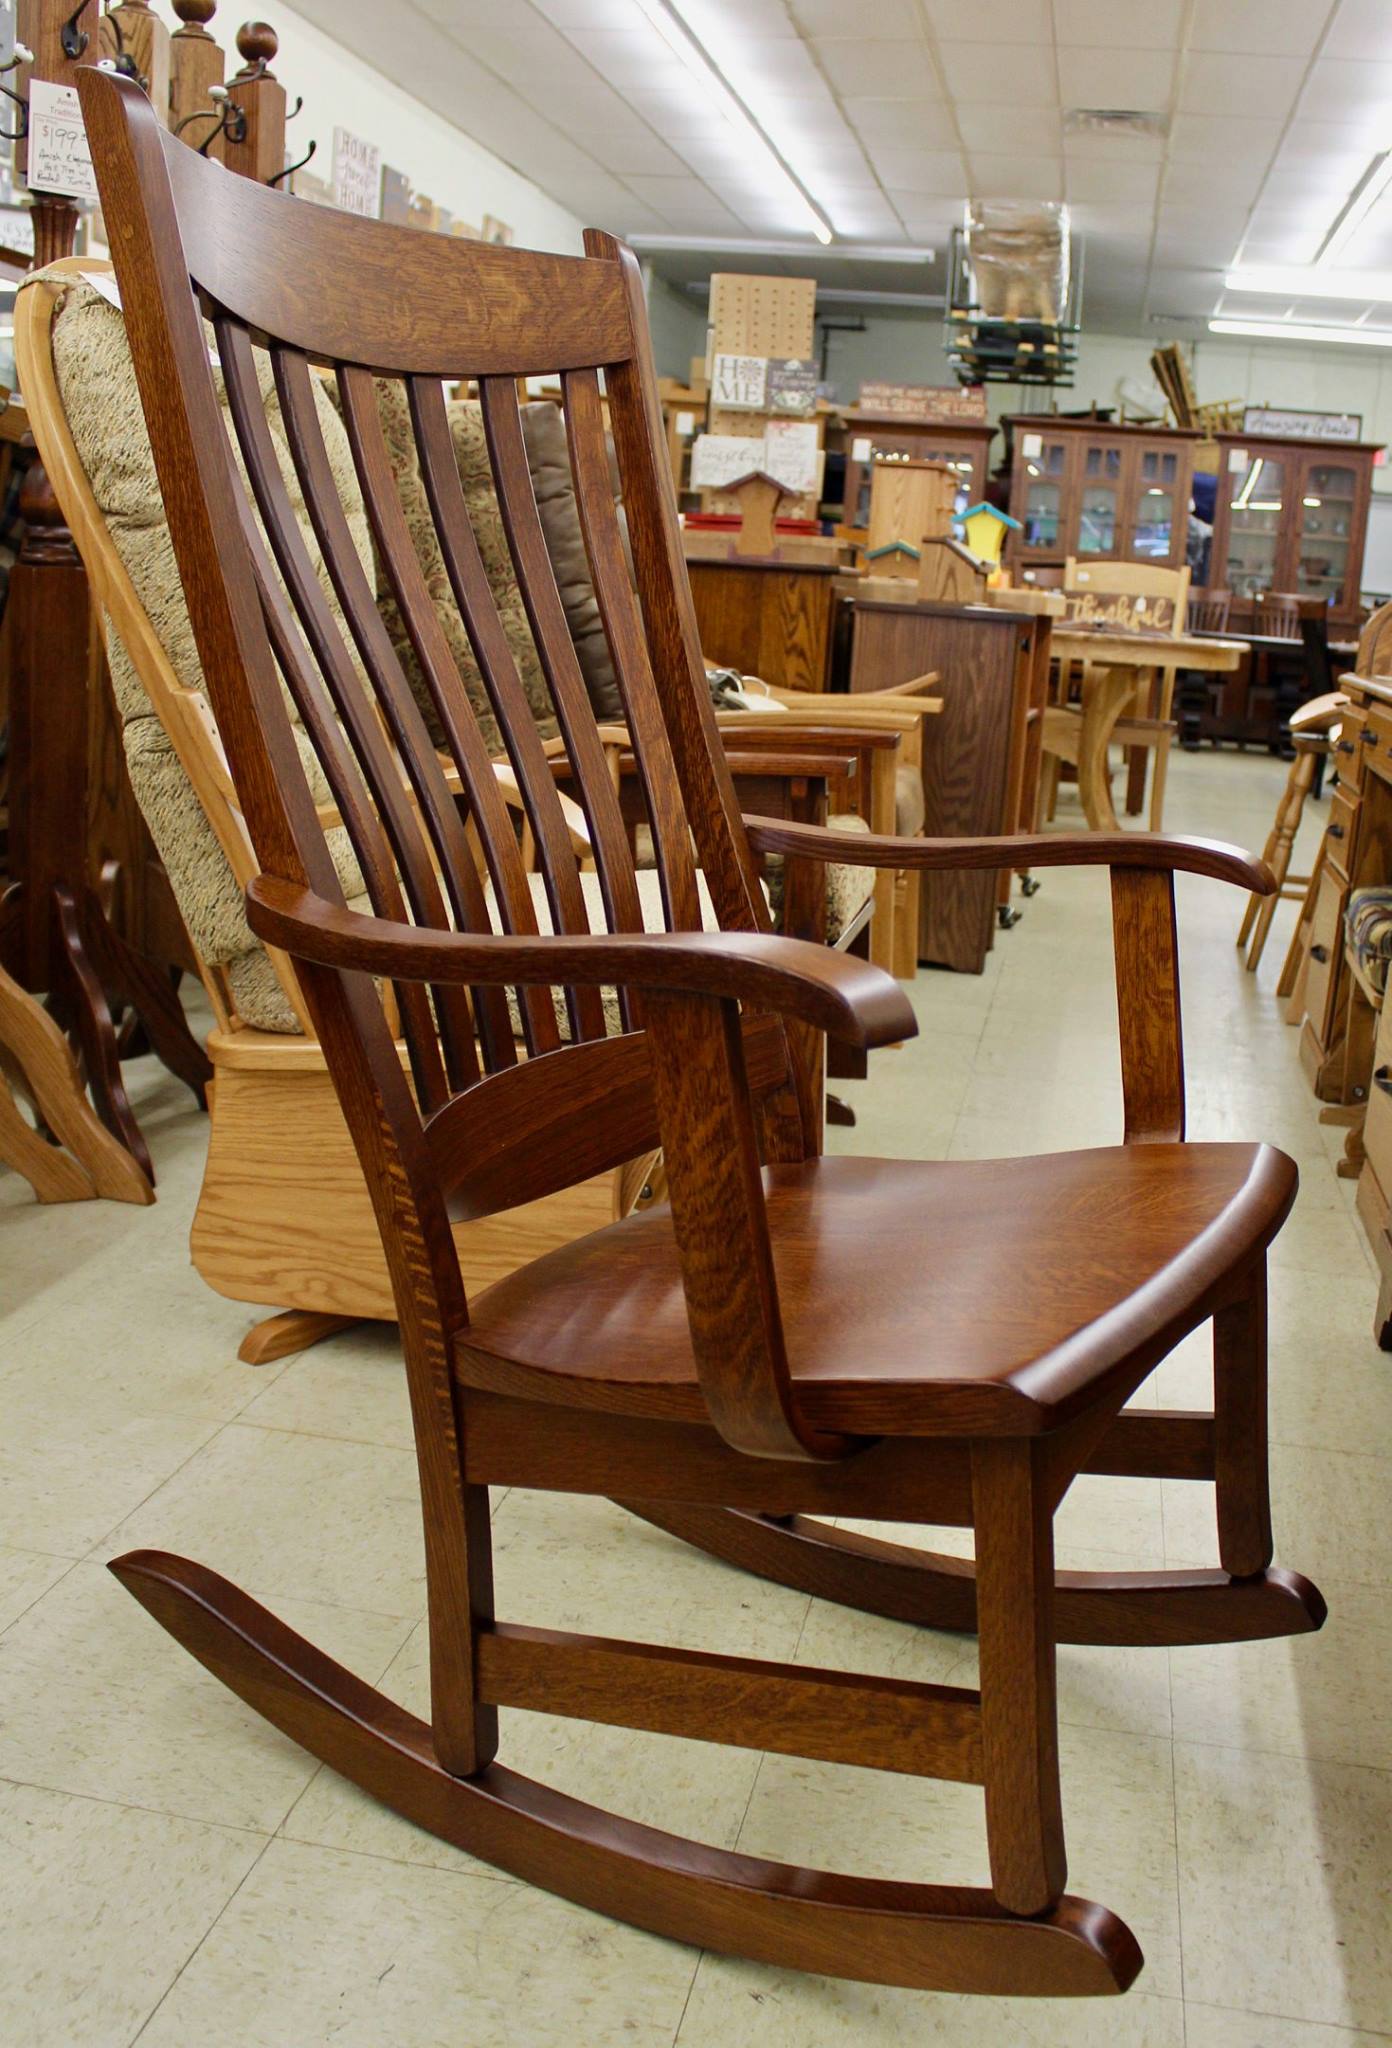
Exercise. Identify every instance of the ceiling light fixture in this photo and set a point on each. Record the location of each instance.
(1305, 281)
(753, 245)
(1303, 330)
(1356, 208)
(669, 18)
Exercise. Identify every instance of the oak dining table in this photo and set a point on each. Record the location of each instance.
(1116, 664)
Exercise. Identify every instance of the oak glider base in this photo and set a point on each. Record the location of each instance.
(937, 1590)
(925, 1937)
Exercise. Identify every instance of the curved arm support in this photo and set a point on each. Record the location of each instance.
(834, 992)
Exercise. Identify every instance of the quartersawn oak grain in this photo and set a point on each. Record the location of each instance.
(789, 1335)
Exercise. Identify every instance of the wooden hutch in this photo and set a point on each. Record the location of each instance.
(949, 426)
(1090, 487)
(1292, 515)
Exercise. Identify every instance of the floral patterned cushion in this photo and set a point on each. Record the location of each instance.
(1368, 928)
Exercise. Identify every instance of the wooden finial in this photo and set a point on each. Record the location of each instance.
(195, 14)
(257, 42)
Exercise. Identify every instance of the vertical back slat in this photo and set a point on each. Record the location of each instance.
(358, 601)
(474, 597)
(536, 578)
(516, 910)
(350, 710)
(623, 628)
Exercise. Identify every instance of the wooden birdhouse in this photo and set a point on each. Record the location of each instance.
(895, 558)
(949, 573)
(758, 495)
(909, 499)
(986, 529)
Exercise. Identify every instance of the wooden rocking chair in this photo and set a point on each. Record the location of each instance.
(794, 1336)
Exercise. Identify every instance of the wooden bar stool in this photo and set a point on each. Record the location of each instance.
(1310, 727)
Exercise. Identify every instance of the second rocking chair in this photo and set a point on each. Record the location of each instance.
(794, 1336)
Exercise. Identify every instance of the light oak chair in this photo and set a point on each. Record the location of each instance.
(1149, 725)
(794, 1336)
(1311, 730)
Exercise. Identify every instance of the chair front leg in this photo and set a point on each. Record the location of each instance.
(1241, 1484)
(1019, 1713)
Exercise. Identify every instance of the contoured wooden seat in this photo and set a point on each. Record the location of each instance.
(744, 1363)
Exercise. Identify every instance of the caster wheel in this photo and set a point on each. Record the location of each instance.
(1006, 916)
(1030, 885)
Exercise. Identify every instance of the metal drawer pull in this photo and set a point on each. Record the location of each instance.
(1368, 736)
(1320, 953)
(1336, 831)
(1347, 747)
(1382, 1078)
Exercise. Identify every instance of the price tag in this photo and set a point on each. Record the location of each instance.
(1032, 444)
(59, 158)
(686, 424)
(860, 448)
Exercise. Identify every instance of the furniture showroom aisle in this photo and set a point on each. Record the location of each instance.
(174, 1872)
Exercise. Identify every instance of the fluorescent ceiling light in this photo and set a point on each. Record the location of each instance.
(670, 19)
(1303, 330)
(749, 245)
(1356, 208)
(1309, 281)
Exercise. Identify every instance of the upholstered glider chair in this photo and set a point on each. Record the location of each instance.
(283, 1218)
(792, 1340)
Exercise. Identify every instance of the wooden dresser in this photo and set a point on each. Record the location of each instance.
(980, 756)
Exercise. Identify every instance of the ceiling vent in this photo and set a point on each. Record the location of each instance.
(1120, 121)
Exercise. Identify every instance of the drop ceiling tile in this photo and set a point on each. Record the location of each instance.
(1214, 84)
(1116, 78)
(1348, 92)
(568, 14)
(897, 70)
(1207, 139)
(995, 71)
(1013, 21)
(1106, 25)
(1016, 177)
(915, 124)
(1281, 246)
(639, 152)
(866, 213)
(1007, 127)
(1361, 28)
(937, 171)
(1279, 28)
(627, 57)
(1230, 184)
(780, 65)
(685, 205)
(879, 18)
(1197, 245)
(1099, 147)
(1112, 185)
(676, 113)
(468, 14)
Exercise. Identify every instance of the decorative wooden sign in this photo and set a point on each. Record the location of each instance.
(925, 401)
(357, 174)
(792, 385)
(788, 452)
(740, 383)
(1120, 612)
(1281, 424)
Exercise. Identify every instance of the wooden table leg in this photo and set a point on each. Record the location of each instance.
(1106, 693)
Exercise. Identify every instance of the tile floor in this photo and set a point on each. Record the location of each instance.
(175, 1873)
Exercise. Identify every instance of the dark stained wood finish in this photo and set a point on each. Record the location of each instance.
(766, 620)
(983, 658)
(790, 1334)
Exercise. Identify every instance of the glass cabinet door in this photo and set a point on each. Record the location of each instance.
(1045, 469)
(1256, 497)
(1152, 525)
(1327, 499)
(1097, 506)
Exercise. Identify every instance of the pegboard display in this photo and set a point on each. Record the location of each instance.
(758, 316)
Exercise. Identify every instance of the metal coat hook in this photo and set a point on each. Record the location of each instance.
(73, 38)
(123, 63)
(290, 169)
(21, 56)
(298, 108)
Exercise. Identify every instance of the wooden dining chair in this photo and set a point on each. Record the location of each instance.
(1277, 615)
(1208, 611)
(794, 1337)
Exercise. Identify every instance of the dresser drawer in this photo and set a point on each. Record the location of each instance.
(1326, 951)
(1339, 832)
(1371, 726)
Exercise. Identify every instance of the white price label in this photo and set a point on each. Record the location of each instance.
(59, 158)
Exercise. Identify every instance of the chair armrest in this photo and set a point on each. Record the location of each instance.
(1222, 863)
(833, 992)
(1146, 943)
